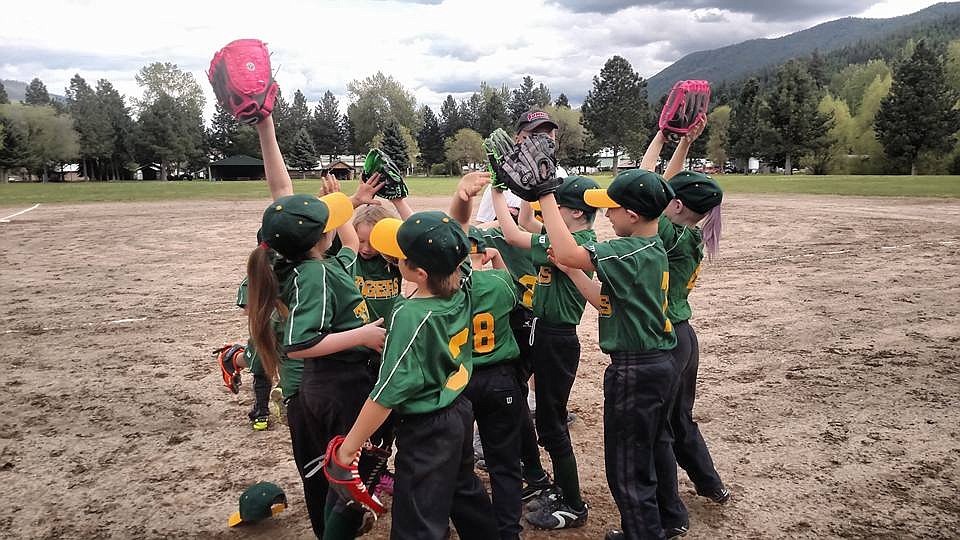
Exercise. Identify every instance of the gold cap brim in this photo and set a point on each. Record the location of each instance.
(383, 237)
(340, 208)
(598, 198)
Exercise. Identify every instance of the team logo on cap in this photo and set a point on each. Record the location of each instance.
(537, 116)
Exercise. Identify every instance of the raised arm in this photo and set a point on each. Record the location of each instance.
(461, 206)
(683, 147)
(278, 179)
(652, 155)
(565, 248)
(511, 232)
(527, 220)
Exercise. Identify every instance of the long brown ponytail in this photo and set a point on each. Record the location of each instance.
(263, 301)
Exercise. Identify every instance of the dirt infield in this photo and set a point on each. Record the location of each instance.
(829, 379)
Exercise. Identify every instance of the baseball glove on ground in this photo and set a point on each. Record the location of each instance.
(378, 161)
(688, 102)
(227, 359)
(497, 146)
(345, 478)
(241, 78)
(530, 169)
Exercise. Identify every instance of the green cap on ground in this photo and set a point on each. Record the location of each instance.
(293, 224)
(640, 191)
(258, 502)
(432, 240)
(698, 192)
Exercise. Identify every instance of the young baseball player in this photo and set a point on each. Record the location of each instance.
(697, 202)
(494, 389)
(426, 365)
(555, 349)
(323, 323)
(260, 413)
(635, 331)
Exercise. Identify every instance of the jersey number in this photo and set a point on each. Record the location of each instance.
(665, 287)
(484, 339)
(546, 275)
(459, 379)
(606, 309)
(529, 283)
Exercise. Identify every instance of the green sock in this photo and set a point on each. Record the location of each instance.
(565, 475)
(342, 525)
(534, 473)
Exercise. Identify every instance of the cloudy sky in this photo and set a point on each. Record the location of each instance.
(434, 47)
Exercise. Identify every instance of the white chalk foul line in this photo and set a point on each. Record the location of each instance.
(109, 323)
(6, 219)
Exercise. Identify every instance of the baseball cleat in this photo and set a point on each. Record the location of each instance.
(557, 514)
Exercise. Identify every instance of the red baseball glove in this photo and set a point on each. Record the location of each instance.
(241, 78)
(345, 478)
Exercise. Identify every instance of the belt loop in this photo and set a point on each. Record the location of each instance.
(533, 328)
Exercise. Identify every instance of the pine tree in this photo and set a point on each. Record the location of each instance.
(918, 115)
(797, 124)
(562, 101)
(615, 106)
(394, 146)
(303, 156)
(430, 140)
(36, 93)
(4, 99)
(90, 121)
(122, 126)
(14, 152)
(325, 126)
(747, 124)
(450, 120)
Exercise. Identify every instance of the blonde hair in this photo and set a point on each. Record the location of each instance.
(370, 214)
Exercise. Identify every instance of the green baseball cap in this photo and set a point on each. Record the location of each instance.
(293, 224)
(640, 191)
(258, 502)
(477, 243)
(698, 192)
(432, 240)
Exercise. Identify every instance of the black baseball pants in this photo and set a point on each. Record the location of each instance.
(636, 396)
(556, 357)
(520, 322)
(498, 409)
(688, 445)
(434, 480)
(330, 398)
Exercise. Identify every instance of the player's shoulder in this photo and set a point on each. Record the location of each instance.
(628, 247)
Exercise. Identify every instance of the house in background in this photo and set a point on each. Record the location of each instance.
(239, 167)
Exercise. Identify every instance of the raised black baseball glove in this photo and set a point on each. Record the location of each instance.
(530, 169)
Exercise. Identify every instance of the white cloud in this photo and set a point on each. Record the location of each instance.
(433, 47)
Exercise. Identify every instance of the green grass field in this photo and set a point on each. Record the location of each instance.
(881, 186)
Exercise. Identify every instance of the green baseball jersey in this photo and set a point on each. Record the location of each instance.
(494, 297)
(379, 284)
(518, 262)
(684, 247)
(322, 298)
(557, 300)
(427, 357)
(634, 277)
(242, 294)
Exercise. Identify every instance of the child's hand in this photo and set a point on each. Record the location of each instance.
(330, 185)
(373, 334)
(366, 191)
(553, 260)
(472, 184)
(695, 130)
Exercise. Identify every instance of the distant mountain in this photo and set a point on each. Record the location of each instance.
(17, 90)
(736, 62)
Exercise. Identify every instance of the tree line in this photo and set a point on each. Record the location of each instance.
(879, 116)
